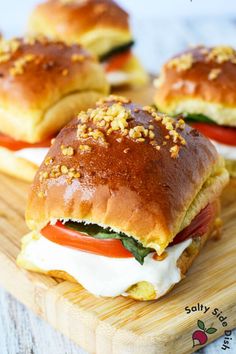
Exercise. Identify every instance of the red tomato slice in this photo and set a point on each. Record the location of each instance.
(14, 145)
(224, 135)
(199, 225)
(113, 248)
(117, 61)
(62, 235)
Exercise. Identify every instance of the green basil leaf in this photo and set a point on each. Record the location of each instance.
(201, 118)
(135, 247)
(117, 50)
(89, 229)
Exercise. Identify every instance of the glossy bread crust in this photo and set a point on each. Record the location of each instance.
(39, 82)
(82, 21)
(136, 186)
(200, 80)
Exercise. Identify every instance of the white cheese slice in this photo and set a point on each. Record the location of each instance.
(35, 155)
(105, 276)
(227, 151)
(116, 78)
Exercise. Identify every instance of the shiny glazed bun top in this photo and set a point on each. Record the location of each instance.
(99, 25)
(32, 67)
(35, 75)
(207, 77)
(127, 167)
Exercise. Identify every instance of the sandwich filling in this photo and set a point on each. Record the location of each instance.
(114, 63)
(95, 239)
(223, 137)
(115, 68)
(122, 67)
(108, 263)
(122, 49)
(101, 275)
(34, 153)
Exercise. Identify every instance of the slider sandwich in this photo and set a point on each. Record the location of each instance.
(43, 84)
(201, 84)
(101, 26)
(129, 208)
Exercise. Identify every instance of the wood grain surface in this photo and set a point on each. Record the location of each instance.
(22, 332)
(121, 326)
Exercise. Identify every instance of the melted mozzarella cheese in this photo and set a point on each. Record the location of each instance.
(116, 78)
(227, 151)
(35, 155)
(105, 276)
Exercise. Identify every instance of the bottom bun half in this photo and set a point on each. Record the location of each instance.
(231, 167)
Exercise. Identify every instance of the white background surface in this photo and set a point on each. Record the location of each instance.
(161, 28)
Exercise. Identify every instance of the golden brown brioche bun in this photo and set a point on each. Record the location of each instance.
(127, 167)
(99, 25)
(200, 80)
(231, 167)
(143, 290)
(43, 84)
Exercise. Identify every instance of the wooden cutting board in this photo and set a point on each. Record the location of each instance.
(121, 325)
